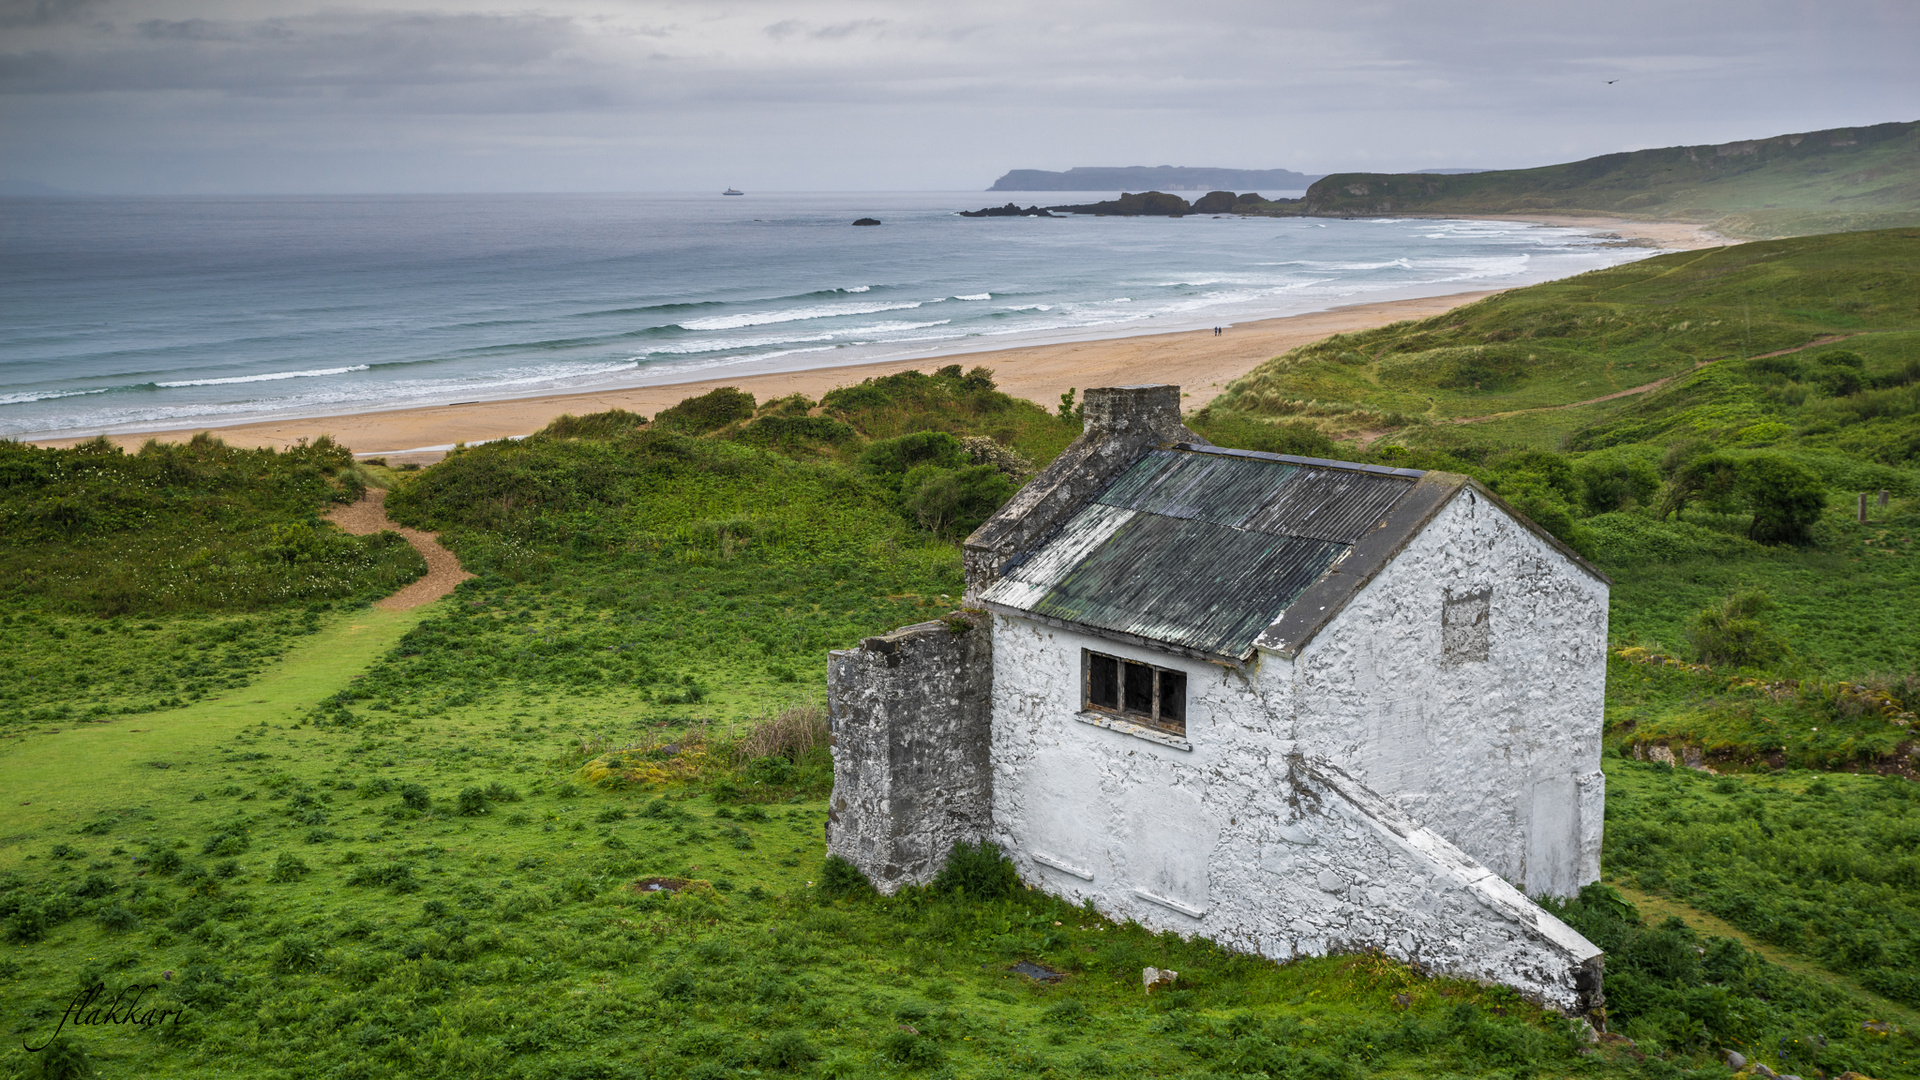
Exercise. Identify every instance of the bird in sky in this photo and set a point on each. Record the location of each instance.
(1610, 82)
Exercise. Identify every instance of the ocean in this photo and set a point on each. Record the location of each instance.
(126, 315)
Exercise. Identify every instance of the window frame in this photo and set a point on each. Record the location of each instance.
(1158, 717)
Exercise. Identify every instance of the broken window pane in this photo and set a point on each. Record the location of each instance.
(1139, 688)
(1173, 698)
(1103, 681)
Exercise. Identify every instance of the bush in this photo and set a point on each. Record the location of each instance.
(840, 879)
(295, 954)
(601, 425)
(118, 918)
(1733, 633)
(708, 412)
(163, 860)
(473, 801)
(416, 797)
(1786, 498)
(227, 842)
(288, 867)
(954, 500)
(913, 1051)
(1618, 479)
(980, 871)
(788, 1050)
(64, 1059)
(892, 459)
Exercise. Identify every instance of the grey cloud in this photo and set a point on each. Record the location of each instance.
(651, 92)
(281, 55)
(44, 12)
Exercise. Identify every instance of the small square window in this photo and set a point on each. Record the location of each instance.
(1142, 693)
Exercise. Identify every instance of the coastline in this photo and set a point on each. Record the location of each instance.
(1198, 361)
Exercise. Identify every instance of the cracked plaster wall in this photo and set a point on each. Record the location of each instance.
(1265, 834)
(1500, 755)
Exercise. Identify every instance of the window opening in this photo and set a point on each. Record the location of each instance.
(1150, 695)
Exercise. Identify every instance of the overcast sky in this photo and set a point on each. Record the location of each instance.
(595, 95)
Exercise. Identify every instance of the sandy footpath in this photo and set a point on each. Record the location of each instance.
(1198, 361)
(369, 515)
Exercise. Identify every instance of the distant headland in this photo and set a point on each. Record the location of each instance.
(1153, 177)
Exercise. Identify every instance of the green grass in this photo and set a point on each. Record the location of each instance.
(65, 668)
(1816, 182)
(1827, 866)
(407, 844)
(435, 943)
(1609, 330)
(189, 527)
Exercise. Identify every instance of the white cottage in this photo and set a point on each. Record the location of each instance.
(1293, 705)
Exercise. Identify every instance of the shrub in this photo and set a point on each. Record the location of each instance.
(229, 841)
(65, 1059)
(954, 500)
(163, 860)
(892, 459)
(288, 867)
(979, 870)
(118, 918)
(473, 801)
(1618, 479)
(397, 876)
(788, 1050)
(1786, 498)
(840, 879)
(1733, 633)
(416, 797)
(601, 425)
(294, 954)
(913, 1051)
(708, 412)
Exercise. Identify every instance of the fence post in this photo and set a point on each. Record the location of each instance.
(1863, 508)
(1883, 496)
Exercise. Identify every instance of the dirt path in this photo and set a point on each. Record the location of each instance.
(1655, 909)
(369, 515)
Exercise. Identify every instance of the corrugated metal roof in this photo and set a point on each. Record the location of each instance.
(1200, 550)
(1329, 504)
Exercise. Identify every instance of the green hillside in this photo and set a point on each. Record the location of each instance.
(1821, 181)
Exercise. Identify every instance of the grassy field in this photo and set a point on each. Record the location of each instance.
(448, 896)
(567, 822)
(1788, 185)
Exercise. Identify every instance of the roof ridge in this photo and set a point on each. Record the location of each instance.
(1295, 459)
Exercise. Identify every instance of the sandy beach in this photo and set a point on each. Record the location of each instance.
(1200, 362)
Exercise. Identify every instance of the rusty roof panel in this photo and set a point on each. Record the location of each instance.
(1329, 504)
(1190, 583)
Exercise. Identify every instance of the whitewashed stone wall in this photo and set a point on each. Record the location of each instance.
(1263, 828)
(1496, 744)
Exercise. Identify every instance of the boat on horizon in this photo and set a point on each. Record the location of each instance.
(731, 191)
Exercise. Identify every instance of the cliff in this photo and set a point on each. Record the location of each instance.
(1841, 179)
(1156, 177)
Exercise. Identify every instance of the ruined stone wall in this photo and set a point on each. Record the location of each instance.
(1231, 833)
(1466, 683)
(909, 721)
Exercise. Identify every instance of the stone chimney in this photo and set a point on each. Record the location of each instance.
(1122, 423)
(1115, 412)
